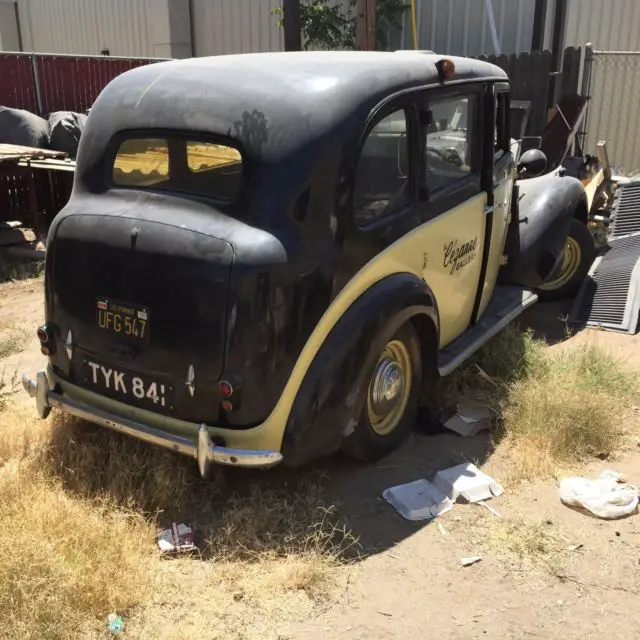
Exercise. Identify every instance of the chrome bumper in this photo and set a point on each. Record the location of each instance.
(203, 449)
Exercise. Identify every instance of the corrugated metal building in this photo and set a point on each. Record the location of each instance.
(145, 28)
(9, 31)
(613, 28)
(182, 28)
(609, 24)
(462, 27)
(235, 26)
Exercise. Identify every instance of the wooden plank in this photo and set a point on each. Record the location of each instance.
(33, 152)
(51, 164)
(366, 25)
(570, 71)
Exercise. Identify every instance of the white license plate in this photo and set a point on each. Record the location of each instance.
(127, 386)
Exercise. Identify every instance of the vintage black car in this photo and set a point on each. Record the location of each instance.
(266, 258)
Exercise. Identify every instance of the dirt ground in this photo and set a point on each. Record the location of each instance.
(546, 572)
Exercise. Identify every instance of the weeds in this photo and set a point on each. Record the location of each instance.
(13, 339)
(557, 407)
(526, 543)
(66, 560)
(83, 504)
(570, 408)
(20, 269)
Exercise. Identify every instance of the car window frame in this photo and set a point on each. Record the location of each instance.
(169, 134)
(442, 200)
(407, 104)
(503, 143)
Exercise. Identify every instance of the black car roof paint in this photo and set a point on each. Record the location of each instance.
(273, 104)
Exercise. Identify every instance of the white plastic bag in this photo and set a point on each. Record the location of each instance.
(605, 497)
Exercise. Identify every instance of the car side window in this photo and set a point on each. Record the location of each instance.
(382, 175)
(449, 151)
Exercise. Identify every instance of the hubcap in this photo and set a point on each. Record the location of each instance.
(571, 261)
(389, 388)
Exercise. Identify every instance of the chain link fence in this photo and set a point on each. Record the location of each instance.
(613, 81)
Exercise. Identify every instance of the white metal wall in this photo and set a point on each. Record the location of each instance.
(88, 26)
(461, 27)
(236, 26)
(608, 24)
(613, 113)
(9, 35)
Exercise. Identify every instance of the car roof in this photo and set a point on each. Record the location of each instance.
(270, 102)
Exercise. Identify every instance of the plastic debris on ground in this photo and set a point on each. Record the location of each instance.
(418, 500)
(176, 539)
(606, 497)
(468, 482)
(467, 562)
(470, 419)
(115, 624)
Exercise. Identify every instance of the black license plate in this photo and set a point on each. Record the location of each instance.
(123, 319)
(143, 390)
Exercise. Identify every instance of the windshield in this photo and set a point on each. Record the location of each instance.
(178, 164)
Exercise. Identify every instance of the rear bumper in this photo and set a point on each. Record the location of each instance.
(202, 448)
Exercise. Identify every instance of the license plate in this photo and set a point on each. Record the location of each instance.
(123, 319)
(127, 386)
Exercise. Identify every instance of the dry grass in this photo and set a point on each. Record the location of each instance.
(12, 270)
(13, 338)
(572, 407)
(83, 504)
(521, 542)
(67, 562)
(558, 407)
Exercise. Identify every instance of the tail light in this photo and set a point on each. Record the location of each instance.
(45, 336)
(230, 394)
(226, 388)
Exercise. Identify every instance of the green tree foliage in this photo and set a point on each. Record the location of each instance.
(327, 24)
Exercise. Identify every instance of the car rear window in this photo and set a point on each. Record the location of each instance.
(179, 164)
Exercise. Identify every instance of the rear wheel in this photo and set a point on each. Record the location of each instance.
(391, 405)
(579, 255)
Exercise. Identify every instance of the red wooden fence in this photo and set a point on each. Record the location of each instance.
(17, 88)
(42, 83)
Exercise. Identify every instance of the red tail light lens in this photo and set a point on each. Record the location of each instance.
(226, 388)
(43, 335)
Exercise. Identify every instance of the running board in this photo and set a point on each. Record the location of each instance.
(507, 303)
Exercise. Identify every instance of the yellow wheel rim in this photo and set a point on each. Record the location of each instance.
(572, 257)
(389, 388)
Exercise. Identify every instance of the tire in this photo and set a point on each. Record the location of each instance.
(378, 435)
(580, 253)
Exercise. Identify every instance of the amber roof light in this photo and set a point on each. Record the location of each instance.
(446, 69)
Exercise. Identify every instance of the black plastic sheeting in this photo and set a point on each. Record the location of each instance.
(65, 129)
(18, 126)
(61, 131)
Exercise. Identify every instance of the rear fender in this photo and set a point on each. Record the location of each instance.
(544, 208)
(330, 399)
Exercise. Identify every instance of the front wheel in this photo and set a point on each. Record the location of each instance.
(579, 254)
(391, 405)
